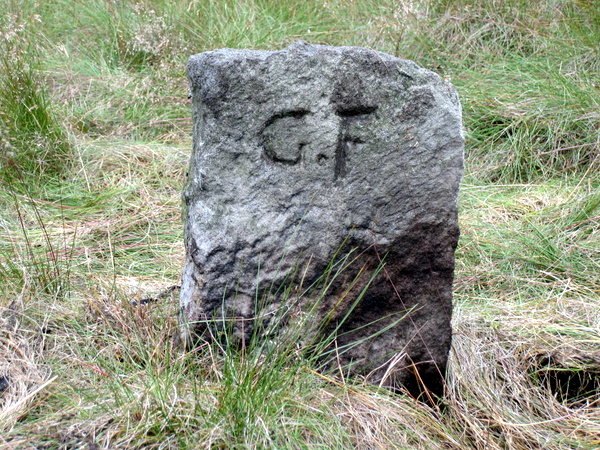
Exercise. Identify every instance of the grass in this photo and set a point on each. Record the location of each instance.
(33, 140)
(94, 142)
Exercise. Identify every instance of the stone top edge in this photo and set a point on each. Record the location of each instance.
(297, 48)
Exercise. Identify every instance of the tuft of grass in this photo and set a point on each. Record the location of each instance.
(33, 142)
(522, 239)
(507, 407)
(23, 374)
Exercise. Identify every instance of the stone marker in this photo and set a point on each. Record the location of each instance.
(303, 155)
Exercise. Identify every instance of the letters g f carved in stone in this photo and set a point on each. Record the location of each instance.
(286, 135)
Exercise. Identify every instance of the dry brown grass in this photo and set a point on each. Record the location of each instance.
(23, 373)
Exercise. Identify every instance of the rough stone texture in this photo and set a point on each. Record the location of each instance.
(300, 156)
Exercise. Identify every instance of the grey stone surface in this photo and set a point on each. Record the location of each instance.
(303, 155)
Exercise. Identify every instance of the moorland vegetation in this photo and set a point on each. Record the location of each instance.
(95, 135)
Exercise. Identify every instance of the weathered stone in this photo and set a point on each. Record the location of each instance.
(304, 154)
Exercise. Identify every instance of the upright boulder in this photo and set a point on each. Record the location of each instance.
(302, 157)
